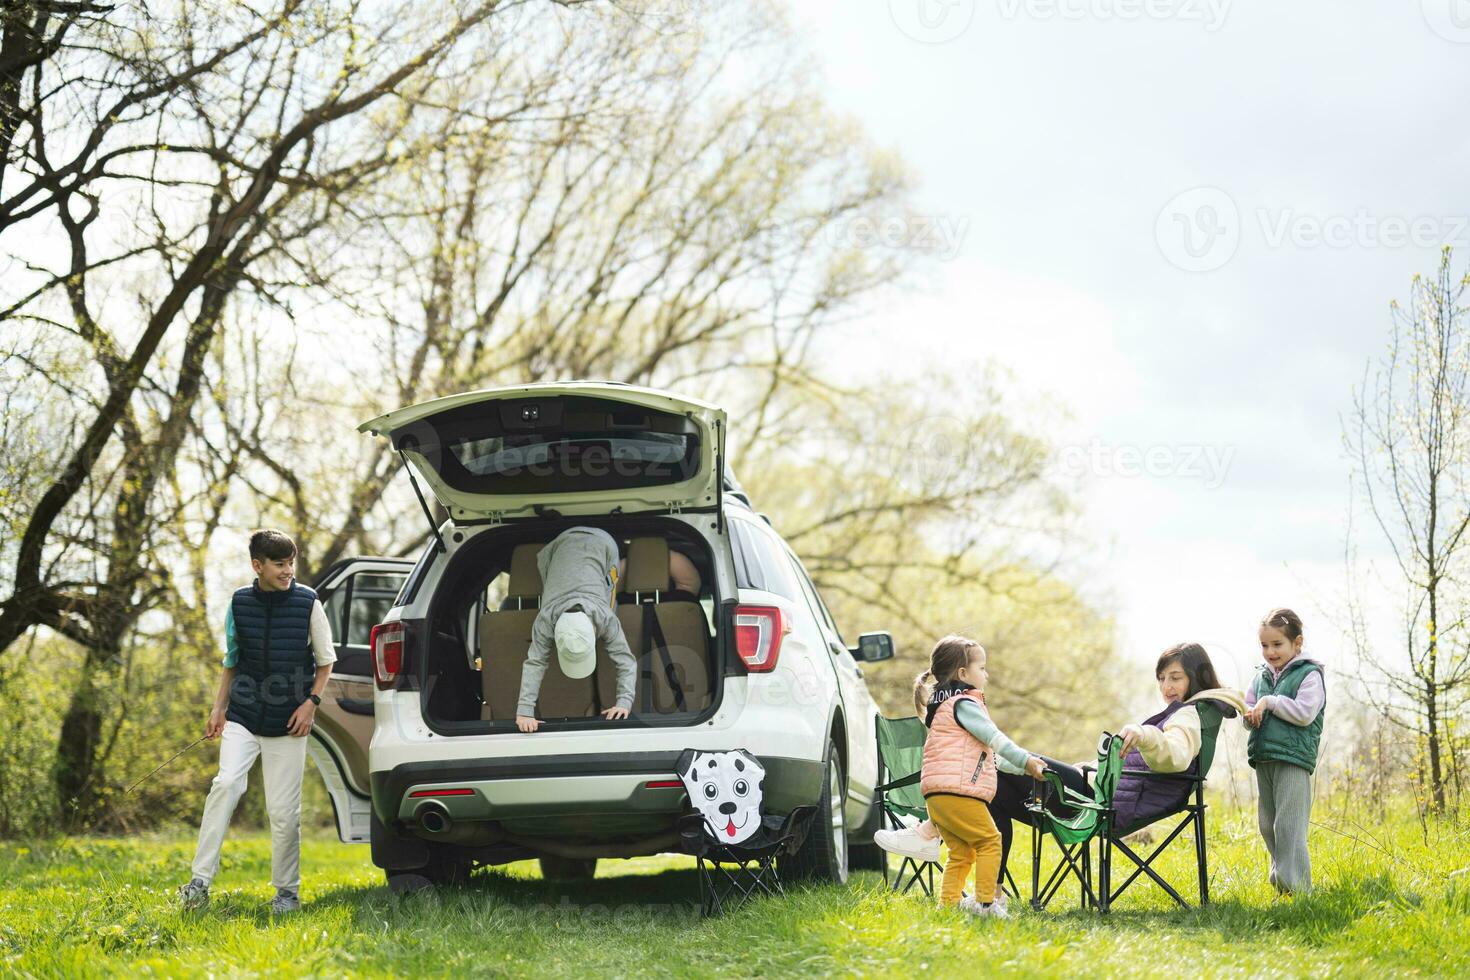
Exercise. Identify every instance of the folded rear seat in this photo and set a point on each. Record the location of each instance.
(673, 675)
(505, 640)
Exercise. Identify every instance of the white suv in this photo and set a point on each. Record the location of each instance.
(753, 660)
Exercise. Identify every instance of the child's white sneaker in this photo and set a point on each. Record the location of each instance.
(194, 895)
(284, 902)
(994, 910)
(907, 843)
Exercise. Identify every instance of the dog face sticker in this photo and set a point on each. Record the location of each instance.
(725, 787)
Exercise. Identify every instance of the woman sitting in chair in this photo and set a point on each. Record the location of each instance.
(1170, 741)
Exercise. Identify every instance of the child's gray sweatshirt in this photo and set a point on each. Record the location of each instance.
(579, 567)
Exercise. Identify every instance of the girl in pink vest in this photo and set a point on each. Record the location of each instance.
(958, 777)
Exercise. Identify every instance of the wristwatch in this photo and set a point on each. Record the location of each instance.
(315, 699)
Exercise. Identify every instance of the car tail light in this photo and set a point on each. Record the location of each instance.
(387, 646)
(758, 632)
(664, 784)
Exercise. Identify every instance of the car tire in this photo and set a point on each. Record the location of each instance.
(863, 854)
(446, 867)
(555, 868)
(822, 857)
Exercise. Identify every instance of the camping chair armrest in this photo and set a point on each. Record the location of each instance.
(899, 783)
(1178, 777)
(1052, 785)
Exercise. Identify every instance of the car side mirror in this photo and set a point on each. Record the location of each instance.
(873, 647)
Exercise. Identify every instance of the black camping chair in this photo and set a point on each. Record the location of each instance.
(729, 874)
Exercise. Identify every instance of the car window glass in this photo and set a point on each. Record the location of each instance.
(371, 595)
(336, 609)
(815, 599)
(759, 562)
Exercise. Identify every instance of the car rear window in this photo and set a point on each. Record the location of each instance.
(555, 444)
(578, 461)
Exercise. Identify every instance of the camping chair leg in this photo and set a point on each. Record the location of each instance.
(1008, 881)
(1086, 874)
(1035, 868)
(1104, 873)
(1199, 846)
(1144, 867)
(709, 899)
(1074, 861)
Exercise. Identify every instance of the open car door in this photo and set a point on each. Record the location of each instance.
(569, 448)
(357, 594)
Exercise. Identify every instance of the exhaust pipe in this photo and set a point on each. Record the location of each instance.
(434, 819)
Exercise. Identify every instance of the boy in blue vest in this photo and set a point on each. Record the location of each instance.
(1287, 700)
(278, 659)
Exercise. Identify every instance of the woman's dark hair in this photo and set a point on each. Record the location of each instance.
(950, 654)
(1195, 662)
(1286, 621)
(275, 545)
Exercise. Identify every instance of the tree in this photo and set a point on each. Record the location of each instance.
(183, 154)
(1409, 437)
(664, 229)
(929, 506)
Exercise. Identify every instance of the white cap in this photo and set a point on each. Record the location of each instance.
(576, 644)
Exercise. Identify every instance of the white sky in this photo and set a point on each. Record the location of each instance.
(1058, 137)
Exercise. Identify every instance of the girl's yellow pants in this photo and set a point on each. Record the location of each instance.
(969, 832)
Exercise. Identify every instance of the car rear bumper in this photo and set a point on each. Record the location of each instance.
(603, 793)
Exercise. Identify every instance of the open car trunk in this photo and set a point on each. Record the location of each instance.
(479, 632)
(562, 449)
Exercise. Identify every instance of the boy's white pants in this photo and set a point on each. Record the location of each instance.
(282, 759)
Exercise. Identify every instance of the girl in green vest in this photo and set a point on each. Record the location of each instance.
(1286, 700)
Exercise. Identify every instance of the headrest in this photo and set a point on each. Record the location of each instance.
(648, 566)
(525, 577)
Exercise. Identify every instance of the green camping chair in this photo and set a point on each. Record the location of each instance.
(901, 751)
(1192, 811)
(900, 804)
(1074, 832)
(1096, 818)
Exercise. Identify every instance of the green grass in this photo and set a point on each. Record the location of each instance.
(1387, 901)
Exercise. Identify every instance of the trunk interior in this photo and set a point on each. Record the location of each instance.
(479, 631)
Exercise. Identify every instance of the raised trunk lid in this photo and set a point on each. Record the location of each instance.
(575, 447)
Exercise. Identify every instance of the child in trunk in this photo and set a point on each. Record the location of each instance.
(579, 575)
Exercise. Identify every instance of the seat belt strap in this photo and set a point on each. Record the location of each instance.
(654, 632)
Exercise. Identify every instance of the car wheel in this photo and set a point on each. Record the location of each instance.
(823, 855)
(445, 867)
(864, 855)
(567, 869)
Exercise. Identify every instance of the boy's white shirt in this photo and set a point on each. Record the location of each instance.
(321, 636)
(1173, 747)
